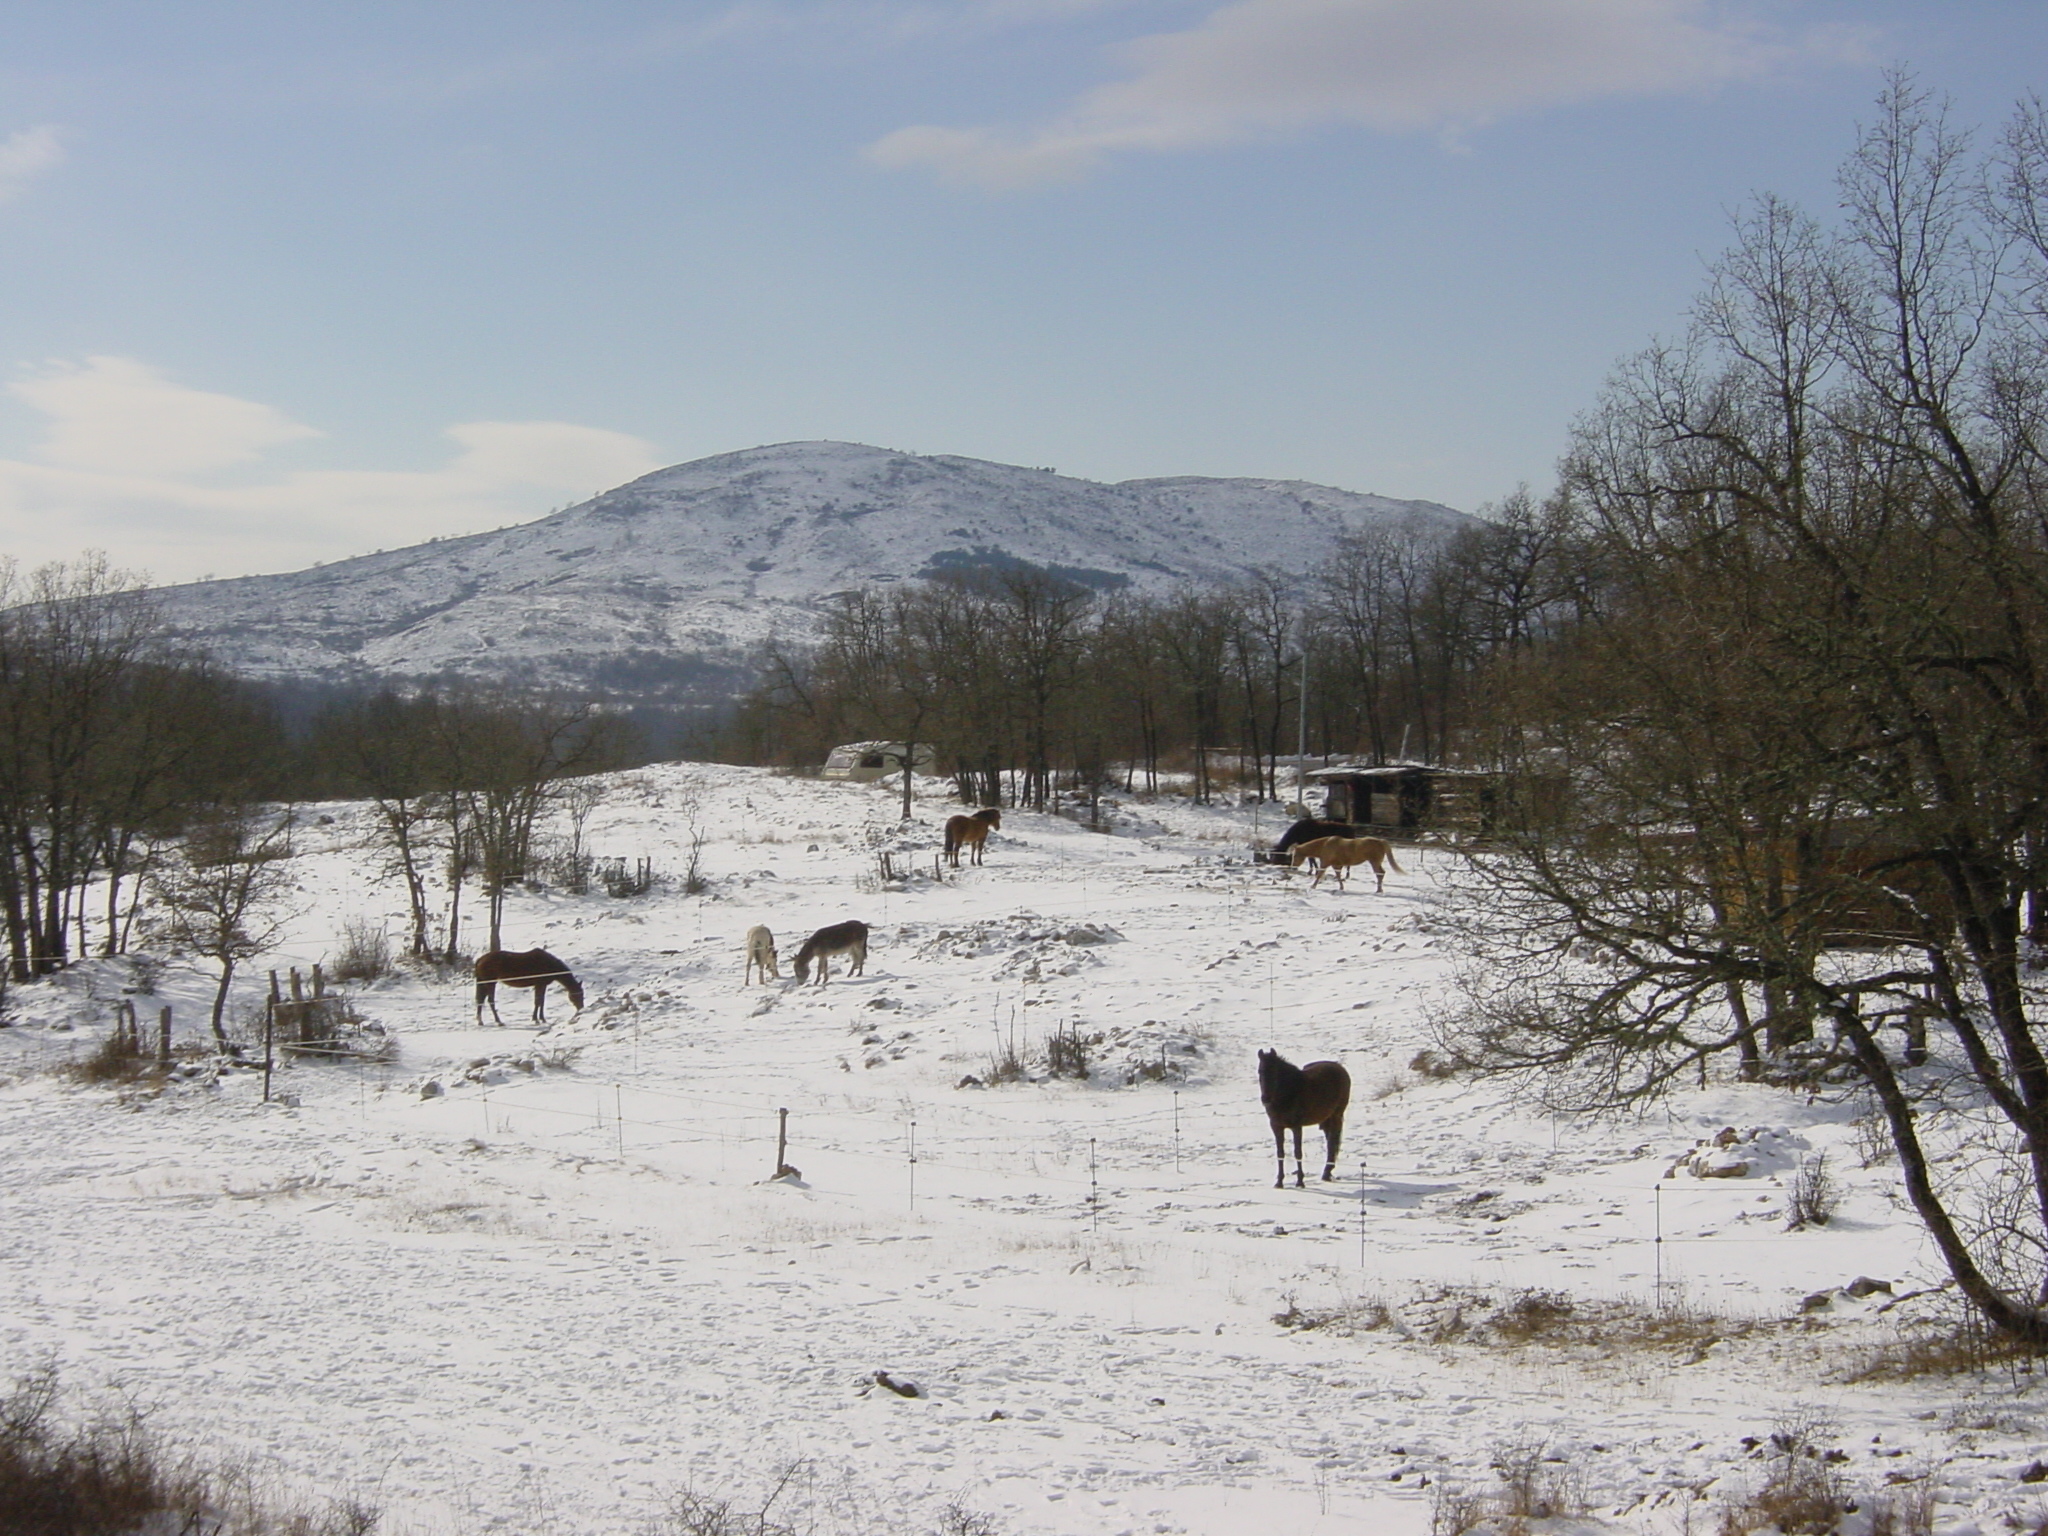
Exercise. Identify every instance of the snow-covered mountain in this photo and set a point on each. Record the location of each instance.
(676, 575)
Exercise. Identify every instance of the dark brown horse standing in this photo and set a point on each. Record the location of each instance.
(971, 832)
(534, 968)
(1316, 1094)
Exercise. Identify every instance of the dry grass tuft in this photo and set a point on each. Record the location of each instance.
(113, 1476)
(1961, 1344)
(119, 1058)
(1803, 1492)
(1534, 1484)
(1522, 1319)
(1437, 1066)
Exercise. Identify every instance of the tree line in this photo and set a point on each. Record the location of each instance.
(140, 782)
(1020, 680)
(1802, 706)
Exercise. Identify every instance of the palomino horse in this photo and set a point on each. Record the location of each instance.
(1307, 830)
(1316, 1094)
(760, 956)
(971, 832)
(533, 968)
(849, 938)
(1339, 854)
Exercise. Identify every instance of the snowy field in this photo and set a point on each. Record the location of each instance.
(566, 1284)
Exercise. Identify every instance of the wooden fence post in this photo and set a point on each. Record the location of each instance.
(163, 1037)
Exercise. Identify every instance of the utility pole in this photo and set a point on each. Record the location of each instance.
(1301, 738)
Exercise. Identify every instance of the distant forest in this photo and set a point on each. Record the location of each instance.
(1025, 681)
(140, 784)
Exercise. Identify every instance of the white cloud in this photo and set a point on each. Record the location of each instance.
(25, 155)
(118, 416)
(1261, 68)
(130, 465)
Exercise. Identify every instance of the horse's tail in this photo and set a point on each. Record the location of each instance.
(952, 839)
(1394, 861)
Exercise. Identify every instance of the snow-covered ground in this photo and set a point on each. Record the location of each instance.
(541, 1299)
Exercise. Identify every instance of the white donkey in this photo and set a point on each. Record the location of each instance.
(760, 956)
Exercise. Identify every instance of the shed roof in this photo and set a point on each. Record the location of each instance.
(1369, 770)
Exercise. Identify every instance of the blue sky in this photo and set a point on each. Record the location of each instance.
(284, 283)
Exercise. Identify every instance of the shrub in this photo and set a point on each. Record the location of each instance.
(363, 953)
(1006, 1063)
(1905, 1509)
(956, 1519)
(1811, 1197)
(1534, 1485)
(1066, 1051)
(113, 1476)
(119, 1058)
(690, 1513)
(622, 881)
(1803, 1493)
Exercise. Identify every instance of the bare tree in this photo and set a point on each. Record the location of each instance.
(223, 898)
(383, 748)
(1806, 725)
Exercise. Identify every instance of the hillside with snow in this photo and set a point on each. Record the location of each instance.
(534, 1282)
(674, 577)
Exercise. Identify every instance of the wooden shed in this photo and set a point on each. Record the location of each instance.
(1408, 799)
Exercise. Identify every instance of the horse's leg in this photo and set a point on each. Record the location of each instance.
(487, 992)
(1379, 877)
(1333, 1140)
(1299, 1181)
(540, 1003)
(1279, 1156)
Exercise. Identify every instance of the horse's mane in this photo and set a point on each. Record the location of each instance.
(1276, 1072)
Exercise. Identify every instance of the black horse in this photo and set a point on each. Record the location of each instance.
(1316, 1094)
(1307, 830)
(534, 968)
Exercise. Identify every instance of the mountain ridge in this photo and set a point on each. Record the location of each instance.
(692, 567)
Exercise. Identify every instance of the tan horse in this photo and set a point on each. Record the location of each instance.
(971, 832)
(760, 956)
(1339, 855)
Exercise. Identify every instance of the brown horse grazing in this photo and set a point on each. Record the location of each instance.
(533, 968)
(971, 832)
(849, 938)
(1316, 1094)
(1339, 854)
